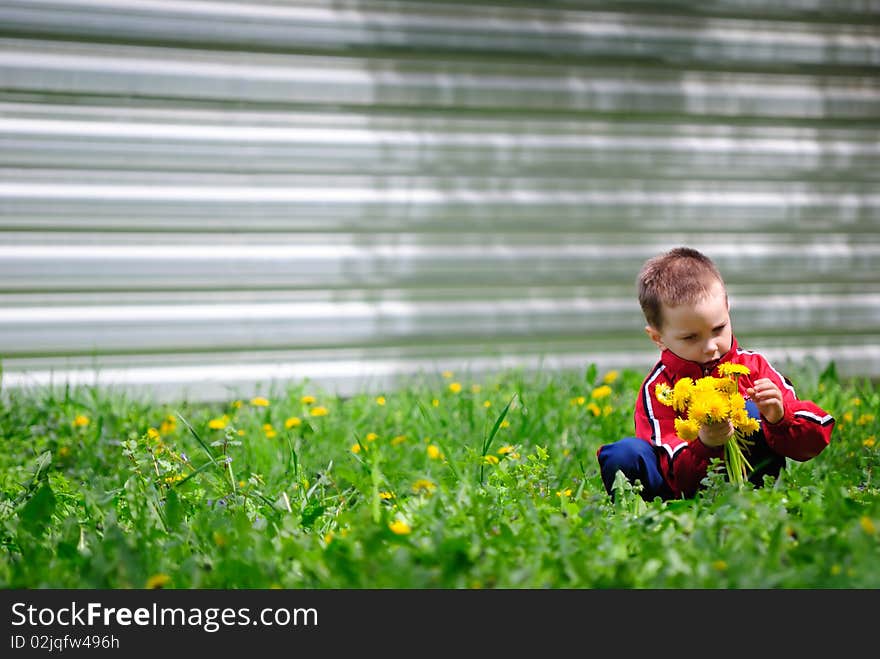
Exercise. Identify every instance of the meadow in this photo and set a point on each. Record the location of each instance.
(450, 482)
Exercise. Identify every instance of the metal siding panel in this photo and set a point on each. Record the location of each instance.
(485, 29)
(200, 198)
(140, 71)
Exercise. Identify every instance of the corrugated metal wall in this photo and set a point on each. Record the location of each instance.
(201, 197)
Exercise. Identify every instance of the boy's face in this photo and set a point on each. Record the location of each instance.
(700, 332)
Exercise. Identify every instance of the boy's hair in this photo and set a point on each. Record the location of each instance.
(680, 276)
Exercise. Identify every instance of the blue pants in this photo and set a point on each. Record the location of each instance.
(639, 461)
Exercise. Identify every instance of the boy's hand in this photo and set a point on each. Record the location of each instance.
(716, 434)
(768, 398)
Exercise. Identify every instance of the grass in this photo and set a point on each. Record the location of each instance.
(447, 483)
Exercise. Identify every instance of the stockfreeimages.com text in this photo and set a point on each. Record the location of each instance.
(209, 619)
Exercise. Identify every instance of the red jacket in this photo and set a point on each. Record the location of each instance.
(802, 433)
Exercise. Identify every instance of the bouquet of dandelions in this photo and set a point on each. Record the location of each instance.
(711, 400)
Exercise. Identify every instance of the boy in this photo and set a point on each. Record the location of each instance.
(684, 301)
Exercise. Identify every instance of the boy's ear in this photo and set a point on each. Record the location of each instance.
(654, 335)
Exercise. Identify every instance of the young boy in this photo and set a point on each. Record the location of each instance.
(684, 301)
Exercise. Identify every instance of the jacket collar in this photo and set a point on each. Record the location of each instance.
(684, 368)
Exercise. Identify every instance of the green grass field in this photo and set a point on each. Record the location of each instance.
(450, 482)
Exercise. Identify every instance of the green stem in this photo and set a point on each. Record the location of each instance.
(738, 468)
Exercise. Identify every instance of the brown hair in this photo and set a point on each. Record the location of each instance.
(680, 276)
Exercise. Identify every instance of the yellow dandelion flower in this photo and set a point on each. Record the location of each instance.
(487, 403)
(259, 401)
(663, 392)
(81, 420)
(319, 411)
(601, 392)
(729, 368)
(399, 527)
(610, 376)
(856, 401)
(356, 448)
(698, 411)
(292, 422)
(475, 388)
(708, 407)
(737, 402)
(865, 419)
(744, 423)
(240, 433)
(219, 423)
(835, 570)
(607, 410)
(505, 424)
(681, 394)
(490, 459)
(594, 409)
(447, 374)
(728, 387)
(269, 430)
(687, 429)
(719, 407)
(328, 537)
(152, 433)
(566, 492)
(707, 384)
(869, 442)
(423, 485)
(158, 581)
(719, 565)
(578, 400)
(386, 495)
(455, 387)
(867, 525)
(169, 423)
(63, 451)
(848, 417)
(399, 439)
(434, 452)
(371, 437)
(504, 450)
(236, 404)
(380, 400)
(435, 402)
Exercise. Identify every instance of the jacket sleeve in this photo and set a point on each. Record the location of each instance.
(804, 429)
(683, 464)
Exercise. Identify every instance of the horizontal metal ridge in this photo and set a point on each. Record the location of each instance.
(234, 379)
(666, 35)
(57, 67)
